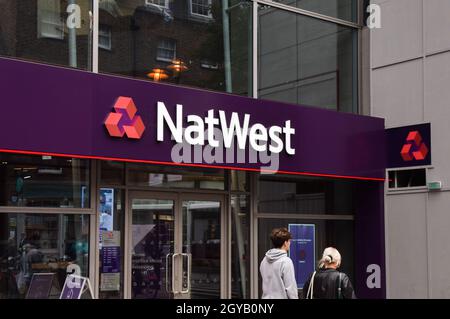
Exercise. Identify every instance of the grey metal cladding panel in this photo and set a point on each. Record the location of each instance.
(400, 35)
(397, 93)
(439, 248)
(437, 25)
(437, 111)
(407, 246)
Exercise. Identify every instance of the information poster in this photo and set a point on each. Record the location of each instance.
(106, 208)
(302, 251)
(110, 254)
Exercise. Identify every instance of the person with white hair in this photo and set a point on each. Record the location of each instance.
(327, 282)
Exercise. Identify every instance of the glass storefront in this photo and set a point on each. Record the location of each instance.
(49, 31)
(314, 64)
(324, 206)
(194, 43)
(41, 243)
(155, 222)
(328, 233)
(342, 9)
(44, 181)
(293, 195)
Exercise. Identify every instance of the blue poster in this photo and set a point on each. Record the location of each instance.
(303, 251)
(106, 208)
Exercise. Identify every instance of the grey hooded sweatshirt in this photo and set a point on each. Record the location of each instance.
(278, 277)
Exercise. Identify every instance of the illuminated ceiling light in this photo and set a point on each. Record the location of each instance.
(178, 66)
(158, 75)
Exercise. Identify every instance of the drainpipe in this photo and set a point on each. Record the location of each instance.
(226, 46)
(72, 42)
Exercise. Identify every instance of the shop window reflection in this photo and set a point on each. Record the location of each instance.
(40, 243)
(155, 34)
(44, 181)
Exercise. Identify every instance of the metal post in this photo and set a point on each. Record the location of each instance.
(72, 42)
(226, 46)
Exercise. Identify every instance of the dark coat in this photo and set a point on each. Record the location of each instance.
(326, 283)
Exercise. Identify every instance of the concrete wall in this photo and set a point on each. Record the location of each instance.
(410, 83)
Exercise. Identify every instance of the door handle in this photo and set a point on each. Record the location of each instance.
(173, 274)
(189, 262)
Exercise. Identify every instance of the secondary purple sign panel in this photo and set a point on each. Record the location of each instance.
(409, 146)
(74, 112)
(302, 251)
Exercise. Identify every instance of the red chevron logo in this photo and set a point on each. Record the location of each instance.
(414, 148)
(124, 120)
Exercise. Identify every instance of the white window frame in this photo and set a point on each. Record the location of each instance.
(158, 58)
(206, 64)
(412, 188)
(58, 26)
(108, 35)
(208, 16)
(150, 3)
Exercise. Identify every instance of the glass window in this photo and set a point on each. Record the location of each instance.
(49, 31)
(181, 42)
(294, 195)
(176, 177)
(111, 245)
(240, 247)
(112, 173)
(407, 178)
(166, 50)
(44, 181)
(104, 37)
(334, 233)
(161, 3)
(41, 243)
(314, 63)
(201, 7)
(342, 9)
(50, 22)
(240, 181)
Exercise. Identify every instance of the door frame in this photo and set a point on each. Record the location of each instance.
(178, 198)
(224, 238)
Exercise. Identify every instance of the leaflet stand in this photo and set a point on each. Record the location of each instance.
(75, 286)
(40, 286)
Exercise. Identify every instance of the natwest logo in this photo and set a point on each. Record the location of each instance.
(124, 120)
(414, 148)
(201, 131)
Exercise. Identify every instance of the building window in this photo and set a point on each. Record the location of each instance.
(104, 37)
(50, 22)
(407, 178)
(206, 64)
(44, 181)
(159, 3)
(201, 8)
(166, 50)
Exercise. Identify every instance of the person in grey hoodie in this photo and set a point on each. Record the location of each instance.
(277, 269)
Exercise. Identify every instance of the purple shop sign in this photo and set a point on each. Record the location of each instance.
(302, 251)
(68, 112)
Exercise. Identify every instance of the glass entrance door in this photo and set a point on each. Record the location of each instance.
(152, 246)
(202, 247)
(175, 246)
